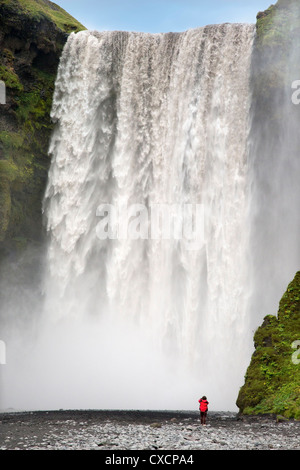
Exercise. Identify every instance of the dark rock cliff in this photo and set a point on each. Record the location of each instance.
(32, 35)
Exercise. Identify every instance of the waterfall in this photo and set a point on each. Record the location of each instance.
(151, 130)
(154, 120)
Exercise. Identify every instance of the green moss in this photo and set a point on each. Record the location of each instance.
(10, 78)
(277, 23)
(272, 381)
(25, 134)
(5, 206)
(10, 141)
(277, 34)
(8, 170)
(33, 107)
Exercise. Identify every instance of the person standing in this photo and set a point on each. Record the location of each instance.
(203, 407)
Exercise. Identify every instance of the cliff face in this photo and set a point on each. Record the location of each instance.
(277, 34)
(272, 381)
(32, 35)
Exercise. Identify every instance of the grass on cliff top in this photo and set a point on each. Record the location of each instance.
(37, 9)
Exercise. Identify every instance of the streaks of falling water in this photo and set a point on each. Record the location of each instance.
(154, 119)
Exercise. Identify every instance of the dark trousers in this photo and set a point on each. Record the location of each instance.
(203, 416)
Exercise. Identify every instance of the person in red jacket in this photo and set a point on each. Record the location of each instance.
(203, 407)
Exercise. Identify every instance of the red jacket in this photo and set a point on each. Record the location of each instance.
(203, 404)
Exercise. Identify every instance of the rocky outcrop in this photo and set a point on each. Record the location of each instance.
(277, 33)
(272, 381)
(32, 35)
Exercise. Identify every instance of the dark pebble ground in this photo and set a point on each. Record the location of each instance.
(144, 430)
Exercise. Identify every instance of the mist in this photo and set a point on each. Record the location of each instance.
(94, 363)
(274, 169)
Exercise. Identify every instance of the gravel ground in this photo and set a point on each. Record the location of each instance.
(144, 430)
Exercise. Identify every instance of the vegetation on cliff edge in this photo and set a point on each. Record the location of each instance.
(37, 10)
(272, 381)
(33, 33)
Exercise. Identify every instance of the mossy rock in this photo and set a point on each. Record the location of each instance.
(272, 381)
(33, 33)
(277, 33)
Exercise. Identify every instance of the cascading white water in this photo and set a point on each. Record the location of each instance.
(153, 119)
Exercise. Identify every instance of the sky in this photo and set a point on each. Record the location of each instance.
(159, 16)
